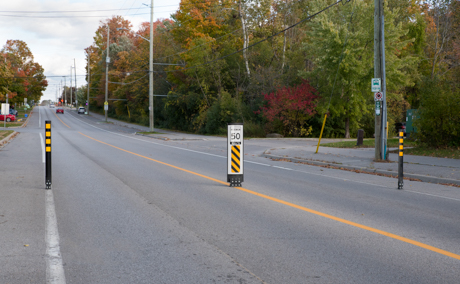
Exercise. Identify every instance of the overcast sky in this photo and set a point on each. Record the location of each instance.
(67, 28)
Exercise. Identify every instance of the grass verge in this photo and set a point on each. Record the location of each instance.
(5, 133)
(452, 153)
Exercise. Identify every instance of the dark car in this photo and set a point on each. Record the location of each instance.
(400, 126)
(81, 110)
(60, 110)
(13, 112)
(9, 117)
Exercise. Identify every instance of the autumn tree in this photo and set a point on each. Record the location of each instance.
(288, 109)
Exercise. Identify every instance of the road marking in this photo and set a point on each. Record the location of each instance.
(305, 209)
(61, 120)
(42, 143)
(54, 268)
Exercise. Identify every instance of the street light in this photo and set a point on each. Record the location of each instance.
(107, 61)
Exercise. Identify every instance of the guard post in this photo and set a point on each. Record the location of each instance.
(400, 160)
(235, 173)
(48, 154)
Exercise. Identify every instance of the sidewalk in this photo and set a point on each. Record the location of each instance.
(302, 150)
(426, 169)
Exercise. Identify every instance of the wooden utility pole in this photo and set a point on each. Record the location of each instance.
(378, 11)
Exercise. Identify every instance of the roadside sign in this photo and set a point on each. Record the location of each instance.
(378, 96)
(106, 103)
(377, 108)
(376, 85)
(235, 173)
(106, 107)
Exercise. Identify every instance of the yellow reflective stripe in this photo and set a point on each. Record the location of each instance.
(400, 147)
(48, 141)
(48, 149)
(401, 154)
(48, 134)
(401, 140)
(401, 133)
(48, 126)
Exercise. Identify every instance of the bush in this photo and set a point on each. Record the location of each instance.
(439, 111)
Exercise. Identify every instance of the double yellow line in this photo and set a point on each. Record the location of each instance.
(305, 209)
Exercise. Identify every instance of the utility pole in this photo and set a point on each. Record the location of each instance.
(107, 61)
(151, 114)
(379, 72)
(70, 87)
(65, 91)
(87, 88)
(75, 74)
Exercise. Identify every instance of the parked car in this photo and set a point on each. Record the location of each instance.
(81, 110)
(13, 112)
(60, 110)
(9, 117)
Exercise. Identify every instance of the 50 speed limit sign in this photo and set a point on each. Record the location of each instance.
(235, 154)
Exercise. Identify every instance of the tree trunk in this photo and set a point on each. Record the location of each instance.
(245, 39)
(347, 127)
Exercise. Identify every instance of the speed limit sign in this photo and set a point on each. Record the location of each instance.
(378, 96)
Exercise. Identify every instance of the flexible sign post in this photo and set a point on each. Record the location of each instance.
(48, 154)
(235, 154)
(401, 160)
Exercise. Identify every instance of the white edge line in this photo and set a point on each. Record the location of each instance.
(54, 267)
(257, 162)
(42, 143)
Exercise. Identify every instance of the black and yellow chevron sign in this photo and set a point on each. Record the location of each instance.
(236, 159)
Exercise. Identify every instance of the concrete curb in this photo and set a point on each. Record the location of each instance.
(422, 178)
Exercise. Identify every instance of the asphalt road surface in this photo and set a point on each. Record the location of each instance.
(125, 208)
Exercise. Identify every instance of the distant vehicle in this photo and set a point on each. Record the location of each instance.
(81, 110)
(51, 106)
(60, 110)
(9, 117)
(13, 112)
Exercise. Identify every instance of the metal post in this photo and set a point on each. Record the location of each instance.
(107, 61)
(151, 106)
(401, 160)
(321, 134)
(48, 154)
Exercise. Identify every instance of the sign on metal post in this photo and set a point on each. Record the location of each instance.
(378, 96)
(376, 85)
(48, 154)
(106, 105)
(235, 150)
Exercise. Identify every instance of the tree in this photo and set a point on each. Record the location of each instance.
(288, 109)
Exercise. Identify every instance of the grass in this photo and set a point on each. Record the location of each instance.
(368, 143)
(418, 150)
(147, 133)
(452, 153)
(5, 133)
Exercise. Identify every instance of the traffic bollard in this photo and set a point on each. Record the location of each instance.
(48, 154)
(400, 161)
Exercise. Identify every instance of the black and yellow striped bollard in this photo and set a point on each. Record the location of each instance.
(400, 160)
(235, 173)
(48, 154)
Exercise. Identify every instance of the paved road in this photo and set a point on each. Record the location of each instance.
(132, 209)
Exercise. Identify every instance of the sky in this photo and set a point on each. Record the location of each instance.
(58, 31)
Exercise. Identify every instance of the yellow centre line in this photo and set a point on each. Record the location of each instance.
(61, 120)
(357, 225)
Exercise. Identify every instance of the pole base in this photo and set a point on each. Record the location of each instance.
(48, 185)
(400, 184)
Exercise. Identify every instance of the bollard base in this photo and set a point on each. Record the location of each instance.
(235, 180)
(400, 184)
(48, 185)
